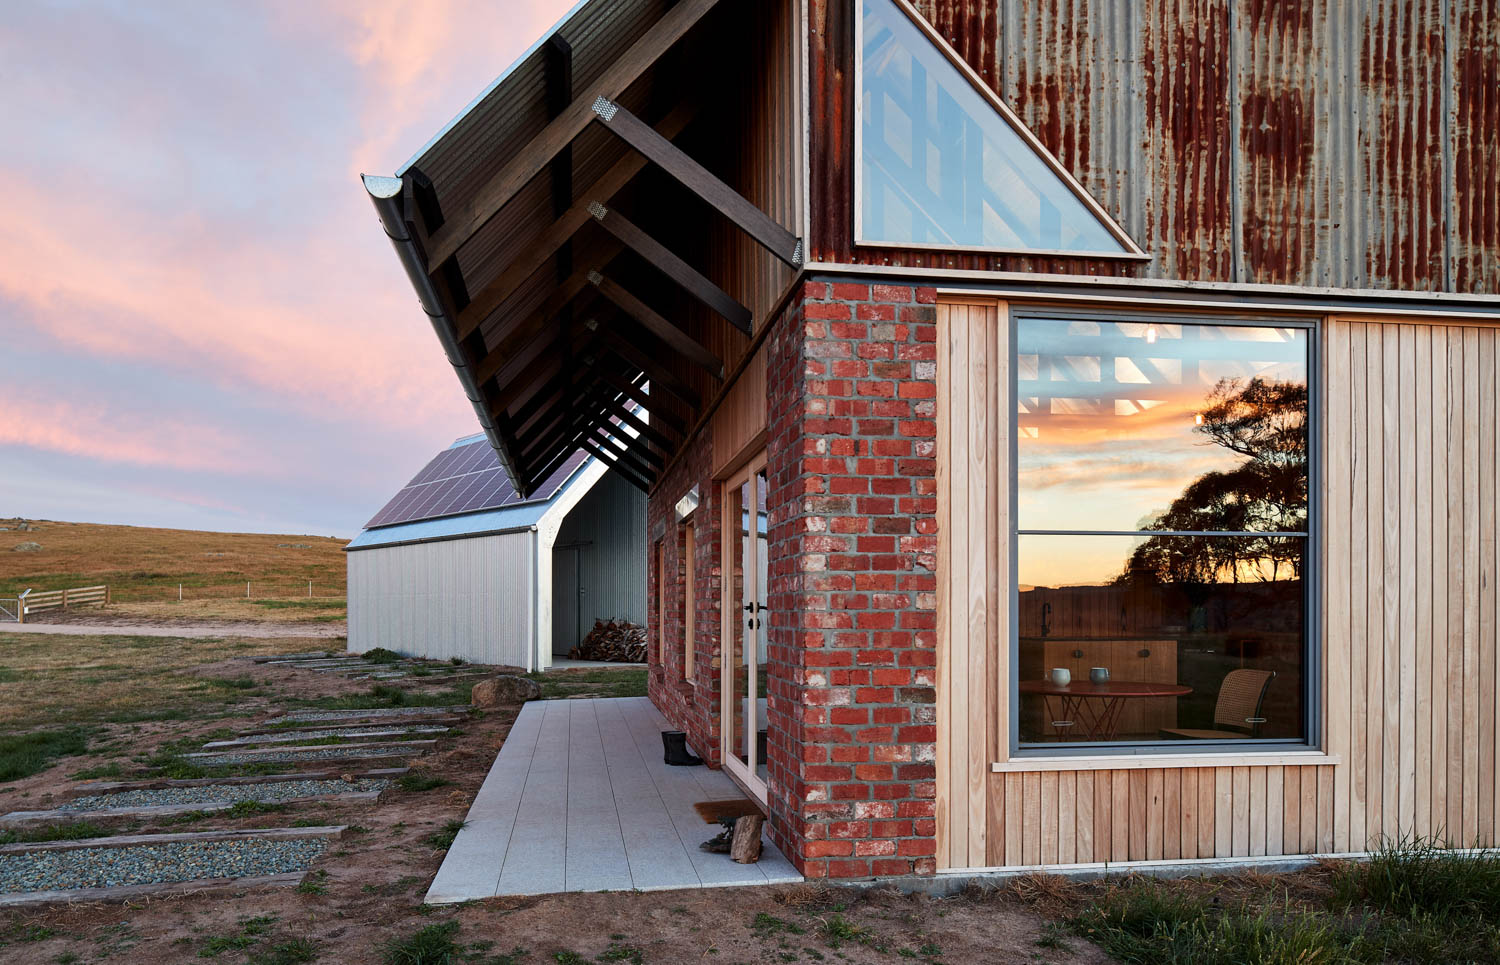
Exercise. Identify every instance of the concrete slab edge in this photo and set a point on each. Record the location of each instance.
(109, 787)
(296, 748)
(166, 810)
(333, 831)
(953, 881)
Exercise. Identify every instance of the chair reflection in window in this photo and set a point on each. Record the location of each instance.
(1237, 712)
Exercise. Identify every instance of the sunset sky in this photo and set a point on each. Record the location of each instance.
(201, 323)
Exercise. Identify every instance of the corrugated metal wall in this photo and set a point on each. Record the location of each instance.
(611, 519)
(1338, 143)
(469, 598)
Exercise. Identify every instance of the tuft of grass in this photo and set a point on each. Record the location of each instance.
(63, 831)
(1430, 904)
(442, 840)
(112, 769)
(600, 681)
(433, 945)
(293, 951)
(1150, 923)
(22, 755)
(232, 683)
(314, 883)
(420, 781)
(382, 655)
(252, 930)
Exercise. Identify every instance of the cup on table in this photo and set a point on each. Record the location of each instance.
(1061, 677)
(1099, 675)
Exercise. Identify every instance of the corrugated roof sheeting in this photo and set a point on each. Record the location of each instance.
(1337, 143)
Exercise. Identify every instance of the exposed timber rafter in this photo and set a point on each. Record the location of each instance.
(699, 180)
(472, 215)
(627, 473)
(679, 341)
(668, 263)
(661, 377)
(561, 231)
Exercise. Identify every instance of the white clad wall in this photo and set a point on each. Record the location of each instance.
(610, 522)
(470, 598)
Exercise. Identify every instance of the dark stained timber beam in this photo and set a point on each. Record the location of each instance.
(632, 448)
(643, 399)
(675, 338)
(523, 388)
(469, 217)
(697, 179)
(660, 376)
(666, 261)
(644, 485)
(652, 433)
(557, 234)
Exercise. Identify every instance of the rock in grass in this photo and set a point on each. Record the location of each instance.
(27, 547)
(505, 689)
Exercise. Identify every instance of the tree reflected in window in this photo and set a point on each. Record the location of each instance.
(1199, 618)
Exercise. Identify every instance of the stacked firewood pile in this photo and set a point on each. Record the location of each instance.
(619, 641)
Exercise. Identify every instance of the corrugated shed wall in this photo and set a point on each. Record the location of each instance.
(1339, 143)
(469, 598)
(612, 519)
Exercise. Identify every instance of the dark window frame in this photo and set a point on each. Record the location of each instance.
(1312, 644)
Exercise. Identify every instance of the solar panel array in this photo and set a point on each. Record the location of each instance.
(465, 478)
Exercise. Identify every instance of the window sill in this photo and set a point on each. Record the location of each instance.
(1125, 762)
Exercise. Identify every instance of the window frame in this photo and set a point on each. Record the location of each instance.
(1132, 252)
(689, 595)
(1312, 621)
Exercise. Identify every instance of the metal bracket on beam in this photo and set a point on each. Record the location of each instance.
(606, 108)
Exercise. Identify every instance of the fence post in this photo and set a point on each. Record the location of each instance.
(65, 599)
(21, 606)
(309, 589)
(247, 590)
(179, 593)
(106, 594)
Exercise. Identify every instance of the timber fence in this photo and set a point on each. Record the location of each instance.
(30, 602)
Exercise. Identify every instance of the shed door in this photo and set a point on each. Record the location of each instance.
(567, 598)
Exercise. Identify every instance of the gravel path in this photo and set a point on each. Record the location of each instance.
(155, 864)
(275, 791)
(331, 753)
(291, 737)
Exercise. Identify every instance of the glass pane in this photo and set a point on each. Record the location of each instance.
(742, 553)
(940, 166)
(1202, 637)
(1142, 425)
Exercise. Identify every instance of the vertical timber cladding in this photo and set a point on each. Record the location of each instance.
(1409, 558)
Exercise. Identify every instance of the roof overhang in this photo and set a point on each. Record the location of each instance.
(561, 309)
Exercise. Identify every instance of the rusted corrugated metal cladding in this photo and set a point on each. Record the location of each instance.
(1339, 143)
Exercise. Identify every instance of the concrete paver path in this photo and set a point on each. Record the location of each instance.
(580, 800)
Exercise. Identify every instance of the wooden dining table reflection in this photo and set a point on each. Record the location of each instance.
(1083, 710)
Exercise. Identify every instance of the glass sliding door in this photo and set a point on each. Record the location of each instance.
(744, 607)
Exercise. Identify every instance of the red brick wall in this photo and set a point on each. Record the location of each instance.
(691, 706)
(852, 386)
(851, 720)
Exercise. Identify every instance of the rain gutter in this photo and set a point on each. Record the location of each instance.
(385, 192)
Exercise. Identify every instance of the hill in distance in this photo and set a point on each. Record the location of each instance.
(142, 563)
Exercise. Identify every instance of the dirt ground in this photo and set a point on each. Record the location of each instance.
(140, 621)
(366, 891)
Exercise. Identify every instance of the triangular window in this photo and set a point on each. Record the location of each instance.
(942, 162)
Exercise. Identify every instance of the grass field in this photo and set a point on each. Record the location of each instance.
(141, 564)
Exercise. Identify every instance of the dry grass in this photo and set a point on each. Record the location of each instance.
(52, 680)
(143, 564)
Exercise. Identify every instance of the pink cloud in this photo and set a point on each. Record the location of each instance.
(101, 432)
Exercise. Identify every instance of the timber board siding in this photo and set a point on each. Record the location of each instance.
(1409, 550)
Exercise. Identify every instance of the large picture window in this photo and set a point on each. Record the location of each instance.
(1161, 532)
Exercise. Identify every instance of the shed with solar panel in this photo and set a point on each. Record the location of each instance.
(458, 564)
